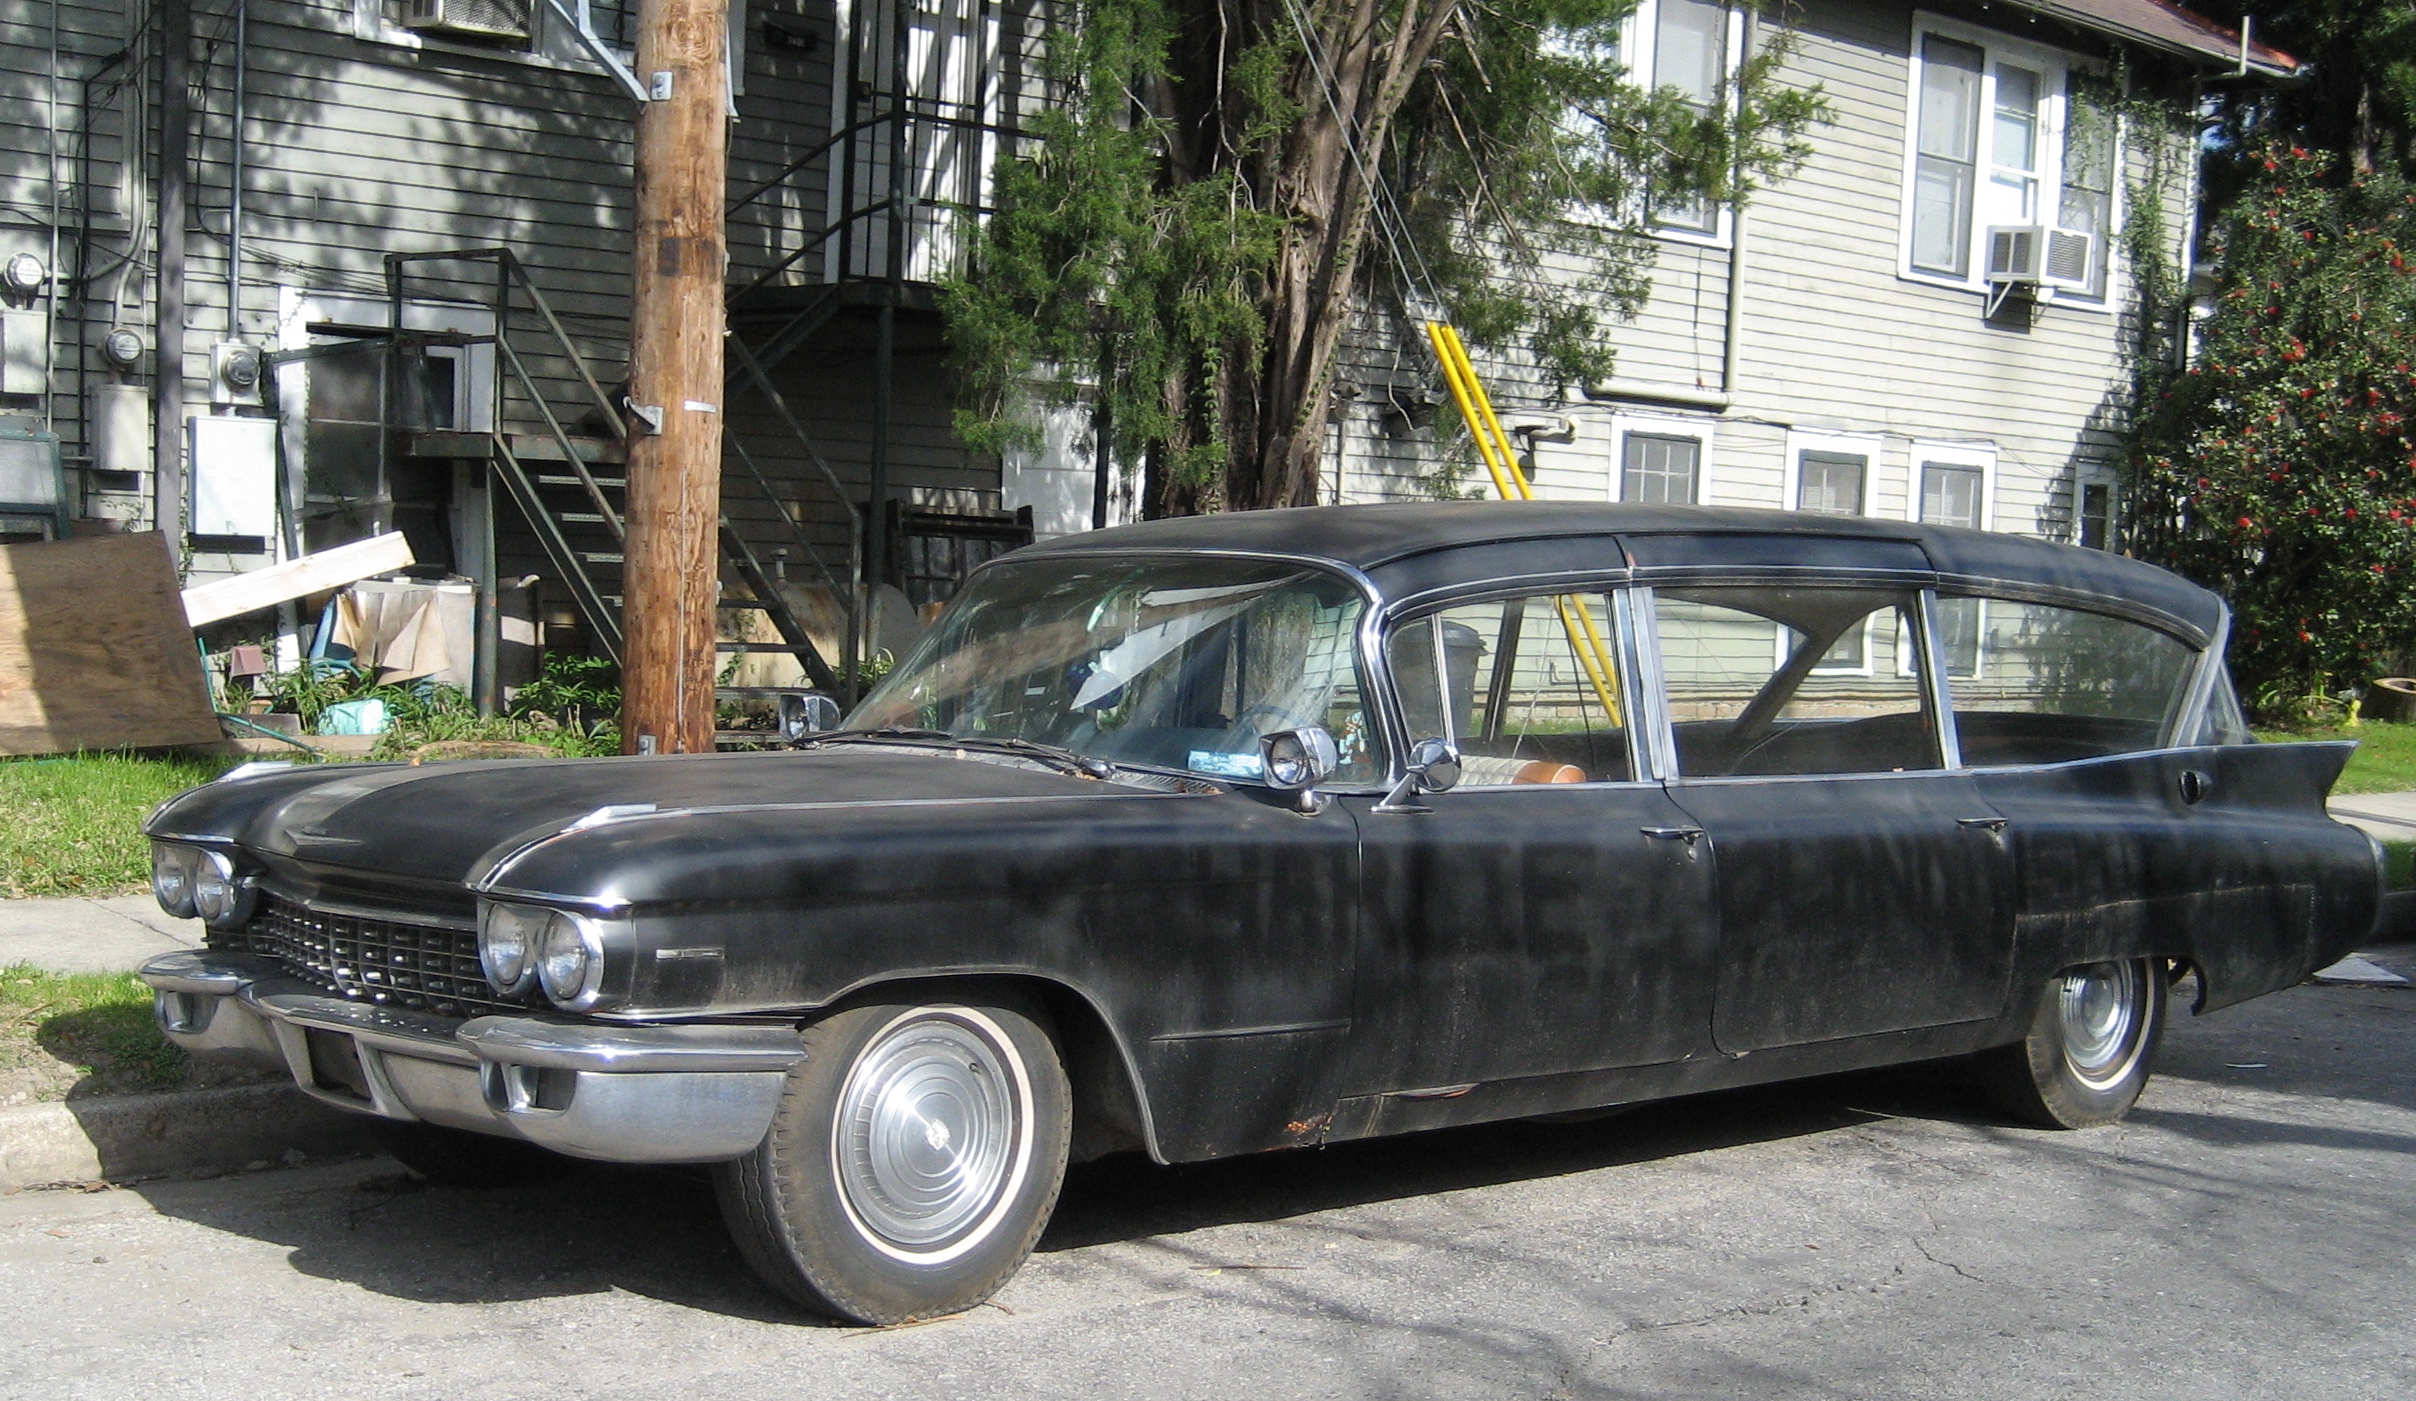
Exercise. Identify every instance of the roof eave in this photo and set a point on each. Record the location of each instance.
(2253, 61)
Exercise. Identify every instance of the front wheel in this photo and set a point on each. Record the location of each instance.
(913, 1160)
(2086, 1057)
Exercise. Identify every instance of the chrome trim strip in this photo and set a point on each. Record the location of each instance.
(1938, 683)
(1652, 688)
(207, 972)
(345, 909)
(1593, 579)
(2085, 600)
(485, 882)
(1280, 1029)
(411, 1033)
(632, 1049)
(2190, 716)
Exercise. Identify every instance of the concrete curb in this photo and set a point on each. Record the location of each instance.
(190, 1134)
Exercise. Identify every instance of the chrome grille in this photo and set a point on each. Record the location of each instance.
(422, 967)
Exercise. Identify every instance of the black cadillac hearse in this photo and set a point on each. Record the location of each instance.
(1218, 835)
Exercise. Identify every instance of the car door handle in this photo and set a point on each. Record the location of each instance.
(1991, 824)
(1688, 835)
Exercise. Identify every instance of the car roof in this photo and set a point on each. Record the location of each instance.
(1414, 549)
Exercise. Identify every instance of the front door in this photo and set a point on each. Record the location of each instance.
(1548, 914)
(1863, 888)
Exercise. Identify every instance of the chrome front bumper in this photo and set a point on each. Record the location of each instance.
(636, 1094)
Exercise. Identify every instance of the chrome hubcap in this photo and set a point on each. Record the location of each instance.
(2101, 1010)
(930, 1132)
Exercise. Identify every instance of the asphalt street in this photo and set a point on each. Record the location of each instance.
(2249, 1232)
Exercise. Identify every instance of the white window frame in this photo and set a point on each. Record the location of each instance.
(1947, 454)
(553, 41)
(2055, 68)
(2097, 476)
(1866, 446)
(1660, 426)
(1636, 55)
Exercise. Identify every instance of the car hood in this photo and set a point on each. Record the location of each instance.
(448, 822)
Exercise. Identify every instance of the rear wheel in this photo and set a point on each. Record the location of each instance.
(914, 1158)
(459, 1158)
(2086, 1057)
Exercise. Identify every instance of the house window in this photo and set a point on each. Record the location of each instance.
(1830, 483)
(1690, 53)
(1692, 46)
(1661, 468)
(522, 31)
(1950, 494)
(2003, 135)
(2096, 516)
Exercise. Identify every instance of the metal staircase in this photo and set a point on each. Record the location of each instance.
(927, 92)
(564, 483)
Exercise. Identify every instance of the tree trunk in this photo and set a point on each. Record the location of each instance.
(1322, 192)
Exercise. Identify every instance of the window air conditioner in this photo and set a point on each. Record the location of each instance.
(2041, 256)
(482, 19)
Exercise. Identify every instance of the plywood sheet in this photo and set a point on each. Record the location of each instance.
(278, 583)
(95, 652)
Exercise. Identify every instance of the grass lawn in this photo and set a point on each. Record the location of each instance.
(71, 826)
(90, 1033)
(2385, 761)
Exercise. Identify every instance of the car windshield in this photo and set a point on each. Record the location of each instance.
(1168, 663)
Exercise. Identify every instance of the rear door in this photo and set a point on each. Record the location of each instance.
(1862, 887)
(2220, 854)
(1546, 915)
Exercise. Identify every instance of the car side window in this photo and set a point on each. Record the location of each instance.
(1794, 681)
(2042, 685)
(1529, 688)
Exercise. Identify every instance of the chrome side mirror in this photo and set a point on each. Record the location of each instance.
(805, 713)
(1434, 767)
(1292, 761)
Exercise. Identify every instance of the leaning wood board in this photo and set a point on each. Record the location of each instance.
(95, 652)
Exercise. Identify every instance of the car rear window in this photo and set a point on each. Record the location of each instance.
(2037, 684)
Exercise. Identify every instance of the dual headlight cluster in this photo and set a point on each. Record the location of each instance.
(194, 881)
(525, 946)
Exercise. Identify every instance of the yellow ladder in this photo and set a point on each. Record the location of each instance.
(1585, 640)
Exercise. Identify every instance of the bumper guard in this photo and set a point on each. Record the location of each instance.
(636, 1094)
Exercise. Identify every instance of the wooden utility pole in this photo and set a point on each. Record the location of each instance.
(671, 574)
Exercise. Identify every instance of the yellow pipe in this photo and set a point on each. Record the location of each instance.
(1501, 461)
(1437, 332)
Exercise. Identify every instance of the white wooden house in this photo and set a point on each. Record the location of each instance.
(1929, 320)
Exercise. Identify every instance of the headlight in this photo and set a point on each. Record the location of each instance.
(222, 896)
(570, 962)
(507, 945)
(172, 877)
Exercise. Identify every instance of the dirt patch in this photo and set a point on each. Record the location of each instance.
(80, 1035)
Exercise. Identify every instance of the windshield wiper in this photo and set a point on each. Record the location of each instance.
(1057, 756)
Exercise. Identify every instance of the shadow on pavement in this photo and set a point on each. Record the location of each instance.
(657, 1232)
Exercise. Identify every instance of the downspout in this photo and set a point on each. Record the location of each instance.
(243, 12)
(168, 327)
(1729, 332)
(50, 302)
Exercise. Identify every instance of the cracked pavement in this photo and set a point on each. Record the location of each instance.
(2249, 1232)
